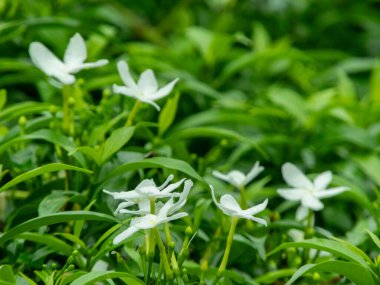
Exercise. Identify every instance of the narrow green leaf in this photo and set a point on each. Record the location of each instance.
(370, 164)
(116, 141)
(375, 83)
(336, 248)
(93, 277)
(3, 98)
(355, 272)
(39, 171)
(48, 240)
(167, 114)
(54, 219)
(374, 238)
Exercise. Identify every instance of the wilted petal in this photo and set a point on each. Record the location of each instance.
(291, 194)
(147, 83)
(125, 234)
(164, 91)
(311, 202)
(256, 170)
(125, 75)
(258, 220)
(75, 53)
(322, 180)
(182, 198)
(330, 192)
(88, 65)
(294, 177)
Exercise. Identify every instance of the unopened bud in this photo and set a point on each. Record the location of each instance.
(22, 121)
(188, 231)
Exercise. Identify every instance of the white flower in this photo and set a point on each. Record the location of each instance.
(73, 60)
(146, 90)
(149, 221)
(238, 178)
(307, 191)
(230, 207)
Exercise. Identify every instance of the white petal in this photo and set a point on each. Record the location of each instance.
(134, 212)
(147, 83)
(174, 217)
(88, 65)
(213, 198)
(124, 90)
(163, 213)
(256, 170)
(65, 78)
(125, 75)
(330, 192)
(182, 198)
(291, 194)
(237, 178)
(125, 234)
(294, 177)
(322, 180)
(148, 221)
(173, 186)
(256, 219)
(45, 60)
(123, 205)
(125, 195)
(301, 213)
(167, 181)
(221, 176)
(311, 202)
(75, 53)
(256, 209)
(164, 91)
(228, 202)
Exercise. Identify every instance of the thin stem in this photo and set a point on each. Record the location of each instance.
(167, 233)
(230, 237)
(161, 247)
(66, 113)
(133, 113)
(309, 233)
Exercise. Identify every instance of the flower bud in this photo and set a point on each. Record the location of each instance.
(189, 231)
(71, 101)
(53, 109)
(316, 276)
(22, 121)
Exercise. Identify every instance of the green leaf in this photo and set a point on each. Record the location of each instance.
(52, 203)
(374, 238)
(290, 101)
(48, 240)
(370, 165)
(358, 274)
(346, 88)
(93, 277)
(375, 83)
(41, 170)
(116, 141)
(6, 274)
(336, 248)
(24, 108)
(272, 277)
(167, 114)
(54, 219)
(157, 162)
(3, 98)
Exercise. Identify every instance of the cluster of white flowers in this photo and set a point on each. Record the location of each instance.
(146, 90)
(146, 193)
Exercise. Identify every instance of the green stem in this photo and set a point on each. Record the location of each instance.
(66, 113)
(309, 233)
(133, 113)
(161, 247)
(230, 237)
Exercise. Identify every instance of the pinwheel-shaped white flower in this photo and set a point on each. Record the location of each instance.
(306, 191)
(238, 178)
(145, 191)
(150, 221)
(73, 60)
(230, 207)
(146, 90)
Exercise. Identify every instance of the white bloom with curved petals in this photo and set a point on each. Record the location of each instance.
(146, 89)
(73, 60)
(306, 191)
(238, 178)
(149, 221)
(230, 207)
